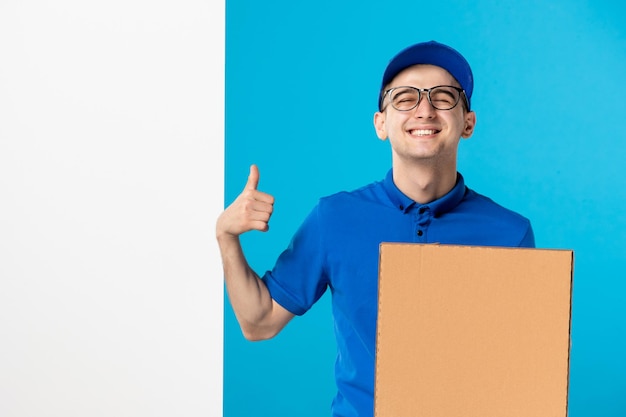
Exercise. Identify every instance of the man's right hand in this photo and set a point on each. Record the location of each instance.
(259, 316)
(251, 210)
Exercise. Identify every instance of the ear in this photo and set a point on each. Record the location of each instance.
(379, 125)
(470, 123)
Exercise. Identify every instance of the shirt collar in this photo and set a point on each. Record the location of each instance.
(440, 206)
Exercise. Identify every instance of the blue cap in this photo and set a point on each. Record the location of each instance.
(433, 53)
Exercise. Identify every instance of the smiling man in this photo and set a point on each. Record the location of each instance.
(424, 111)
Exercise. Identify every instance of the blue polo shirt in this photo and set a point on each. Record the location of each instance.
(336, 248)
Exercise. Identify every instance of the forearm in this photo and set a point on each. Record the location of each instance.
(248, 295)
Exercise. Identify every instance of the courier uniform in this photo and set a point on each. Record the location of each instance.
(336, 248)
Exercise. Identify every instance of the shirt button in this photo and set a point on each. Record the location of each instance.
(419, 233)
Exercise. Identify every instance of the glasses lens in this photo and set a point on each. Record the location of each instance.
(444, 98)
(404, 98)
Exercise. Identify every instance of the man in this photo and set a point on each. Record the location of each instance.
(424, 111)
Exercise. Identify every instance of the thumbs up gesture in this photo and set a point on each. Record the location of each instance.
(251, 210)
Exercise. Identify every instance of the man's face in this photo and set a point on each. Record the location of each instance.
(424, 133)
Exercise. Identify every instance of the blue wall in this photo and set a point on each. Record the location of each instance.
(549, 143)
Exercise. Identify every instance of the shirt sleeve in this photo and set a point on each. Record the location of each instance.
(528, 241)
(298, 278)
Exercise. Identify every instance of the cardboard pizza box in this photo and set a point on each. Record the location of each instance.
(472, 331)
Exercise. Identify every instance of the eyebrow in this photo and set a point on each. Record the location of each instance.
(404, 89)
(447, 91)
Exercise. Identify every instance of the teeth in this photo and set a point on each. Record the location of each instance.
(424, 132)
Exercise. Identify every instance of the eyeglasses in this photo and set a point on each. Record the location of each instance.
(441, 97)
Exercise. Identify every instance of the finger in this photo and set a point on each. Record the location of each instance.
(263, 197)
(261, 210)
(253, 178)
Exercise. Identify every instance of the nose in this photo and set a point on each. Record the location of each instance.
(424, 109)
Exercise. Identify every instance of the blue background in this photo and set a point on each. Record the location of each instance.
(301, 86)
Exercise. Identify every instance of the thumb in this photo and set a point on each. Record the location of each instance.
(253, 178)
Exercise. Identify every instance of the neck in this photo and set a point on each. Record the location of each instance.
(424, 184)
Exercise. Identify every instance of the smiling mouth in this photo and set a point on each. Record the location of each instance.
(423, 132)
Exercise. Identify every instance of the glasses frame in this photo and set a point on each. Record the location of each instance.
(419, 97)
